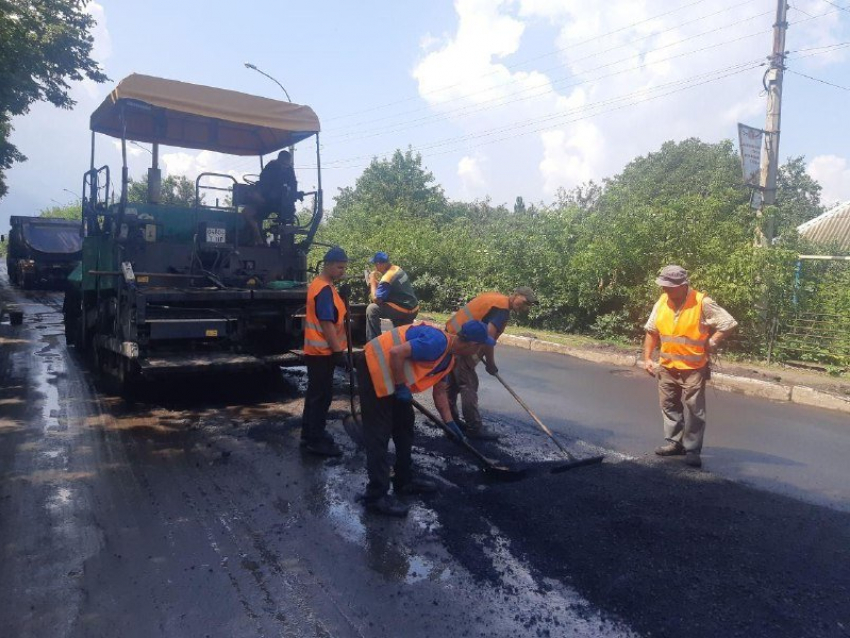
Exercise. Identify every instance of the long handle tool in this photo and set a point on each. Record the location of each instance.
(497, 470)
(352, 423)
(573, 461)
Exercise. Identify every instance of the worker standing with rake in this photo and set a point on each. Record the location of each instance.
(494, 310)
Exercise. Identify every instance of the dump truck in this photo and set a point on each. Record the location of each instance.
(163, 288)
(42, 251)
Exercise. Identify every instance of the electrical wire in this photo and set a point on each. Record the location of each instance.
(837, 86)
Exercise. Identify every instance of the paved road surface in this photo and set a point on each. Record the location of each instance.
(783, 447)
(193, 513)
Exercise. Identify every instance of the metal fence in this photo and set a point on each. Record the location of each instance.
(811, 338)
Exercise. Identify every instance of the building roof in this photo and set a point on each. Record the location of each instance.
(149, 109)
(830, 229)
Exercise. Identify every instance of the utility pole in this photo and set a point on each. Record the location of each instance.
(773, 86)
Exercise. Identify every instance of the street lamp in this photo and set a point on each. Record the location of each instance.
(253, 67)
(248, 65)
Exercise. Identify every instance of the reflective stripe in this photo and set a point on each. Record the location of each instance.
(684, 340)
(316, 344)
(386, 373)
(696, 358)
(455, 324)
(312, 326)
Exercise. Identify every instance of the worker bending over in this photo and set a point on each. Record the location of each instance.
(391, 294)
(324, 348)
(493, 309)
(689, 325)
(390, 369)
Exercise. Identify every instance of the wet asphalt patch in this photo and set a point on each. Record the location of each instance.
(668, 550)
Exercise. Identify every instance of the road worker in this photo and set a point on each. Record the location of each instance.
(275, 192)
(325, 346)
(494, 309)
(391, 294)
(689, 325)
(391, 368)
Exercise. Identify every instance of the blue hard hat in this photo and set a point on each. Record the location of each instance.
(380, 258)
(476, 332)
(336, 254)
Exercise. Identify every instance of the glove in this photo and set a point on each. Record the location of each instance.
(491, 368)
(299, 195)
(455, 429)
(403, 393)
(341, 360)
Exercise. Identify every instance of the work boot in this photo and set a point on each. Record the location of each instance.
(386, 506)
(693, 459)
(481, 433)
(674, 448)
(415, 486)
(324, 446)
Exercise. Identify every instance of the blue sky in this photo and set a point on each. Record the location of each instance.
(502, 97)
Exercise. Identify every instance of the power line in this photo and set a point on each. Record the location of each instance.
(523, 62)
(560, 66)
(837, 6)
(837, 86)
(553, 119)
(480, 107)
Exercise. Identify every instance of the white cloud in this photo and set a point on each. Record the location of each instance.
(833, 174)
(618, 79)
(471, 174)
(101, 48)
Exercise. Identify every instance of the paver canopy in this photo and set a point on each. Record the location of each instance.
(154, 110)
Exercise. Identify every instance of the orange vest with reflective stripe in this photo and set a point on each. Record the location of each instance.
(315, 342)
(417, 374)
(477, 309)
(683, 338)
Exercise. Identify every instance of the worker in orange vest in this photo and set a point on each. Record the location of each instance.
(689, 325)
(391, 295)
(390, 369)
(494, 309)
(324, 348)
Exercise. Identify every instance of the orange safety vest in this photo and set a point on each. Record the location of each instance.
(683, 338)
(315, 342)
(401, 289)
(477, 309)
(417, 374)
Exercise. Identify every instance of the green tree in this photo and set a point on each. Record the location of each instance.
(70, 211)
(177, 190)
(797, 197)
(44, 45)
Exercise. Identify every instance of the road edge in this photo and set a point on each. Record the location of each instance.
(799, 394)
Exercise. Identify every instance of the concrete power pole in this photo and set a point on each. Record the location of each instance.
(773, 85)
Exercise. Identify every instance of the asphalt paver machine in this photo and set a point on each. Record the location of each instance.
(166, 288)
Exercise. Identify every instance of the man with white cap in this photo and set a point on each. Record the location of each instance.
(688, 325)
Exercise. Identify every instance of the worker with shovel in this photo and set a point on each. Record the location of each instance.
(493, 309)
(391, 368)
(689, 325)
(391, 295)
(325, 346)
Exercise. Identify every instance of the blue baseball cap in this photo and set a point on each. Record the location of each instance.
(336, 254)
(476, 331)
(380, 258)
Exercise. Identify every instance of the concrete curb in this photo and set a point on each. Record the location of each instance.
(799, 394)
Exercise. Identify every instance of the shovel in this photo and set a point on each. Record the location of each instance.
(497, 470)
(352, 423)
(573, 462)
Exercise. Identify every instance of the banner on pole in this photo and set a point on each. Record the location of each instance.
(750, 140)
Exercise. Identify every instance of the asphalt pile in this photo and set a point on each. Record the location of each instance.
(667, 550)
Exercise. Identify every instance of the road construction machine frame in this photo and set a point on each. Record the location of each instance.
(165, 288)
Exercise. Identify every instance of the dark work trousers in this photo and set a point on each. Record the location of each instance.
(681, 394)
(376, 312)
(384, 418)
(320, 389)
(463, 381)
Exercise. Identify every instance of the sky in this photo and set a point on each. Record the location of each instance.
(502, 98)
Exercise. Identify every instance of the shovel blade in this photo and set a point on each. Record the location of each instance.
(354, 428)
(571, 465)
